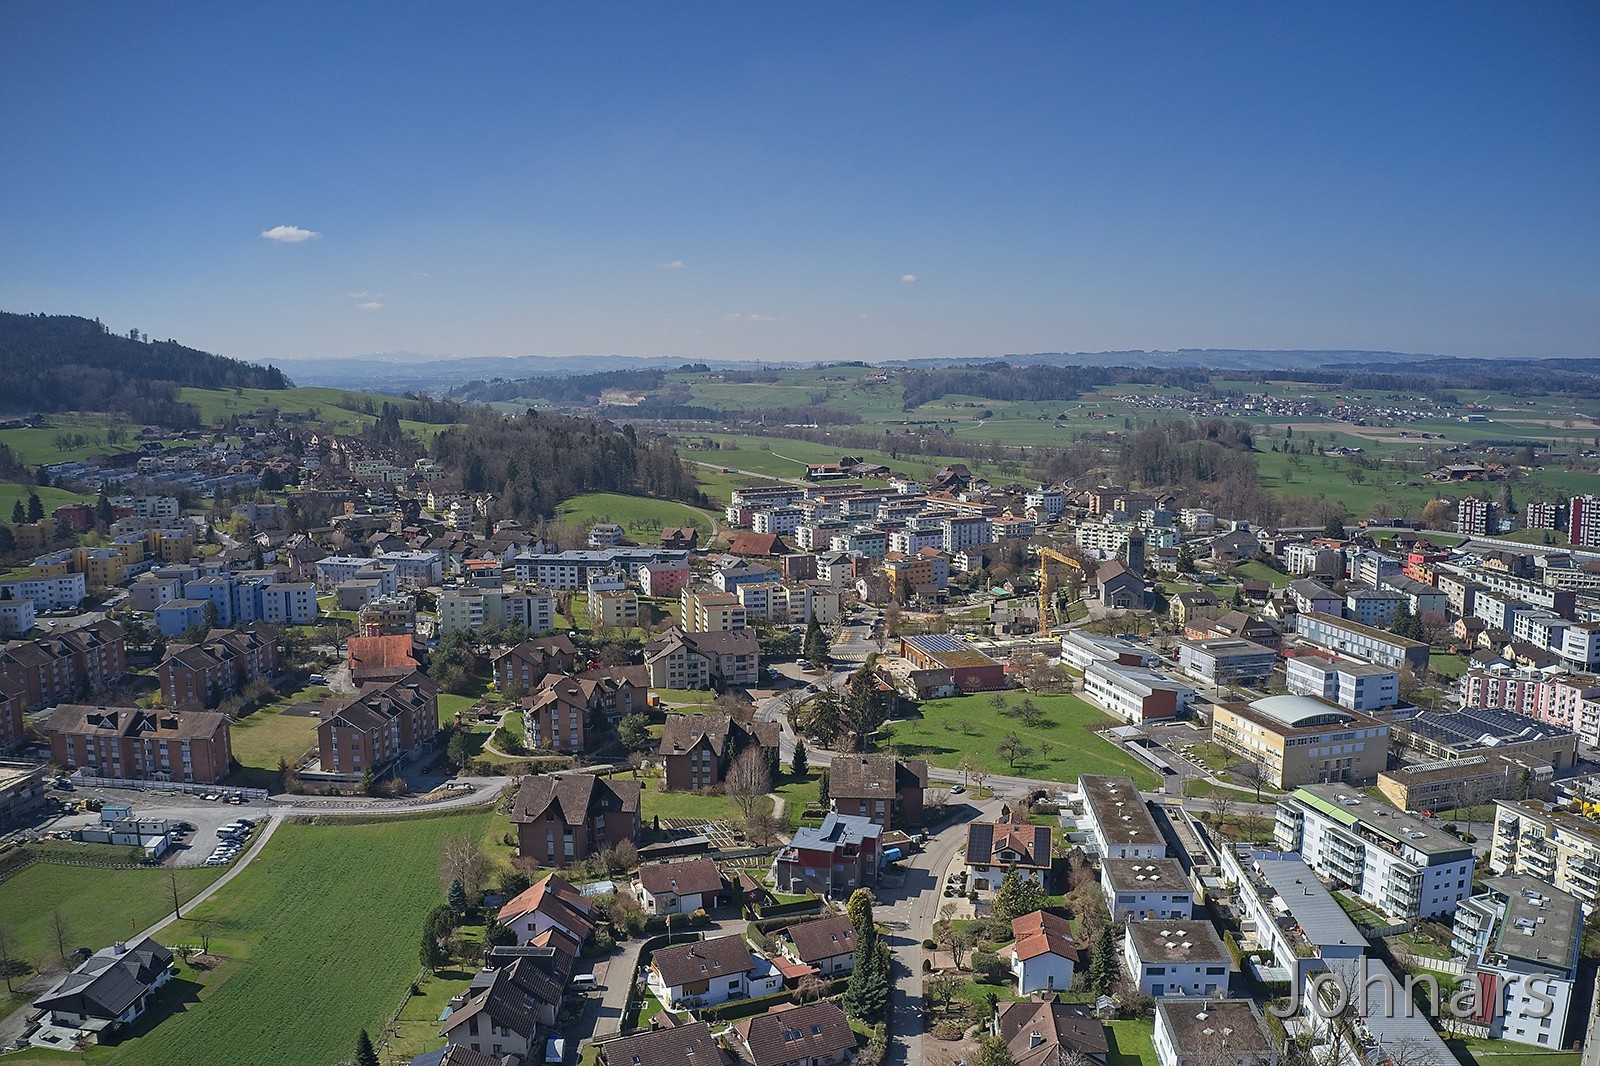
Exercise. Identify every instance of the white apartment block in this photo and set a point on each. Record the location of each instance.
(1532, 839)
(59, 593)
(1401, 865)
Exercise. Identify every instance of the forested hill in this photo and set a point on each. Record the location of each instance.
(537, 460)
(66, 363)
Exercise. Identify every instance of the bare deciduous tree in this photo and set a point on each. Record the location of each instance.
(59, 930)
(748, 780)
(461, 856)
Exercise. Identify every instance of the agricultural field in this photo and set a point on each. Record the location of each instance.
(1060, 747)
(98, 906)
(51, 498)
(327, 915)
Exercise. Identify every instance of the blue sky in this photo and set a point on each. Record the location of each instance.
(819, 180)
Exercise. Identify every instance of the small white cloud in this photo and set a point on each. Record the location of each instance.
(674, 264)
(862, 314)
(909, 279)
(290, 234)
(362, 295)
(370, 305)
(420, 276)
(736, 317)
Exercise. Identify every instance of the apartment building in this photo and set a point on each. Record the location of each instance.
(1146, 889)
(1571, 701)
(694, 660)
(1534, 839)
(1176, 958)
(563, 820)
(1298, 740)
(1120, 825)
(705, 611)
(64, 666)
(203, 674)
(134, 744)
(1522, 940)
(1401, 865)
(385, 723)
(614, 608)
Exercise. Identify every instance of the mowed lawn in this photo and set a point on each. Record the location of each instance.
(323, 928)
(263, 737)
(99, 906)
(1059, 748)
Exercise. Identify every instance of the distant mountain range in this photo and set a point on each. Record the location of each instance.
(398, 372)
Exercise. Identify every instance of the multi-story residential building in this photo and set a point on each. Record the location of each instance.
(832, 859)
(614, 608)
(1310, 595)
(1191, 1031)
(697, 749)
(176, 617)
(1476, 516)
(664, 579)
(54, 592)
(287, 604)
(925, 573)
(562, 710)
(1571, 701)
(1535, 839)
(1146, 889)
(1516, 588)
(65, 666)
(781, 520)
(1542, 514)
(966, 531)
(1120, 825)
(134, 744)
(1355, 686)
(563, 820)
(471, 608)
(1369, 568)
(415, 569)
(704, 611)
(1226, 662)
(886, 790)
(1583, 522)
(16, 617)
(1297, 740)
(1363, 642)
(1270, 886)
(101, 568)
(1176, 958)
(570, 569)
(1522, 940)
(1401, 865)
(693, 660)
(1373, 607)
(203, 674)
(1418, 597)
(525, 665)
(1135, 693)
(373, 730)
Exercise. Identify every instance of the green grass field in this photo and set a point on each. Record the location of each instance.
(98, 906)
(52, 498)
(263, 737)
(323, 929)
(970, 726)
(642, 517)
(1132, 1042)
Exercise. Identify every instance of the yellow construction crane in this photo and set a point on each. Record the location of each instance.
(1047, 582)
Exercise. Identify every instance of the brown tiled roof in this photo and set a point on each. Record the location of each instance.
(874, 776)
(688, 878)
(135, 722)
(985, 840)
(556, 899)
(683, 731)
(684, 964)
(1062, 1026)
(576, 795)
(380, 653)
(822, 938)
(1043, 932)
(812, 1031)
(757, 544)
(680, 1045)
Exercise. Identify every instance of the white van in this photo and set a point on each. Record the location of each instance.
(584, 982)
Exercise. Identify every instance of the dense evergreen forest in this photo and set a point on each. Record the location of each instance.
(535, 460)
(66, 363)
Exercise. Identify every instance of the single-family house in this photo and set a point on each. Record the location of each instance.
(826, 944)
(705, 973)
(1044, 955)
(995, 848)
(679, 887)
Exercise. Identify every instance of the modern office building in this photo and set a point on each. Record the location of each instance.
(1298, 740)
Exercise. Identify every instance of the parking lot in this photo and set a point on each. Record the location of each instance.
(188, 849)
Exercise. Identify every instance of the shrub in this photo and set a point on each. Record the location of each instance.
(988, 967)
(927, 965)
(948, 1030)
(928, 944)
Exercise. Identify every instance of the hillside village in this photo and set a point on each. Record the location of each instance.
(1021, 772)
